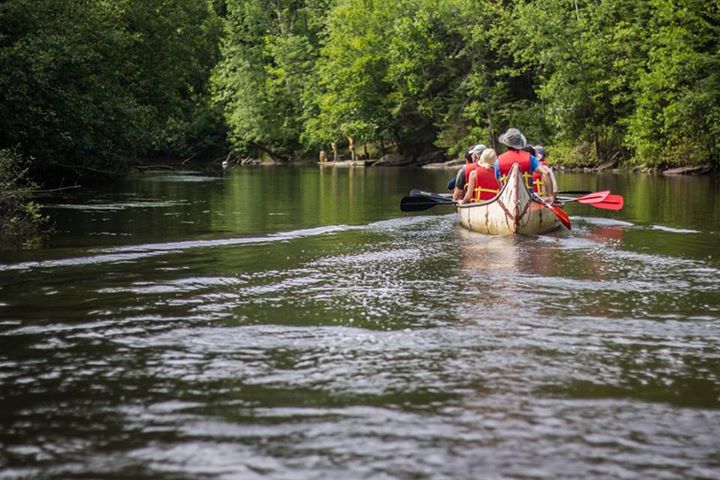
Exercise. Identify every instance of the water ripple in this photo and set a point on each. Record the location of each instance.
(405, 348)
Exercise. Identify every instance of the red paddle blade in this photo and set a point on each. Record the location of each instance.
(559, 212)
(611, 202)
(593, 197)
(561, 215)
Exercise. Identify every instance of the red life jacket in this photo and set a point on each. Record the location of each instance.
(468, 165)
(521, 157)
(538, 185)
(486, 185)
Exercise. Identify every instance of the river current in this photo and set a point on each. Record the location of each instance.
(292, 323)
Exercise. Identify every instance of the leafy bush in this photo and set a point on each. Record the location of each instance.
(20, 218)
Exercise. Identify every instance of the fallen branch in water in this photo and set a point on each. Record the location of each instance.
(151, 167)
(187, 159)
(48, 190)
(95, 171)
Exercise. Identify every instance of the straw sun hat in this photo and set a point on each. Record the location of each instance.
(488, 158)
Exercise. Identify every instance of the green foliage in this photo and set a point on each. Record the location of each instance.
(635, 80)
(585, 56)
(423, 69)
(677, 119)
(96, 83)
(394, 72)
(62, 85)
(261, 84)
(353, 98)
(488, 92)
(175, 45)
(20, 218)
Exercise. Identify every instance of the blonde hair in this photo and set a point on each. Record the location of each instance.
(488, 157)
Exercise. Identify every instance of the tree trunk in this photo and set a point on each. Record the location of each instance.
(267, 150)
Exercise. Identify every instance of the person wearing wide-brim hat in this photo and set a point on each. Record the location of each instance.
(529, 164)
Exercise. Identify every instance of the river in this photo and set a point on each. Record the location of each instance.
(290, 323)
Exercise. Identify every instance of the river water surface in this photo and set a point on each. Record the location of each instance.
(292, 323)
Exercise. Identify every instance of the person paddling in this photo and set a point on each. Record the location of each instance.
(483, 183)
(529, 164)
(541, 155)
(461, 171)
(462, 177)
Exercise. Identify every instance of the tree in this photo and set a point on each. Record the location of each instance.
(351, 91)
(488, 90)
(94, 84)
(387, 71)
(585, 56)
(269, 56)
(677, 119)
(175, 46)
(63, 92)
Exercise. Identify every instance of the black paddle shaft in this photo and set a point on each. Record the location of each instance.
(418, 203)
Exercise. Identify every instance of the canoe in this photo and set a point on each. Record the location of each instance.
(512, 211)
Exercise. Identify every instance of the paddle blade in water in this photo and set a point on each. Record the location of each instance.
(420, 203)
(561, 215)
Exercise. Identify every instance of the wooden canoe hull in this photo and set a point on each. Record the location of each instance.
(513, 211)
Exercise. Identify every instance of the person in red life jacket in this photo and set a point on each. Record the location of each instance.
(516, 143)
(541, 155)
(483, 183)
(461, 179)
(461, 172)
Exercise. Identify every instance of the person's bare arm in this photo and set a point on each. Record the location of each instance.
(458, 192)
(470, 189)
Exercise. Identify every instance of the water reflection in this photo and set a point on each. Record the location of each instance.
(320, 333)
(676, 201)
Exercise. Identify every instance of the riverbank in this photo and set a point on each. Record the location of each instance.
(394, 161)
(684, 170)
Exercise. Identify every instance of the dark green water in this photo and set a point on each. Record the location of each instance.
(292, 323)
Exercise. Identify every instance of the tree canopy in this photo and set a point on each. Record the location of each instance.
(100, 84)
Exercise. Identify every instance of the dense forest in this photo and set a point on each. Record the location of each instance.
(92, 87)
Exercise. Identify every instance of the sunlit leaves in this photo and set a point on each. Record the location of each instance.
(678, 95)
(264, 79)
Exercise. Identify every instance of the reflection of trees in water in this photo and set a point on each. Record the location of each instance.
(682, 201)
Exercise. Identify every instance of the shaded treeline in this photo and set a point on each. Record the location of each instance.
(95, 84)
(98, 84)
